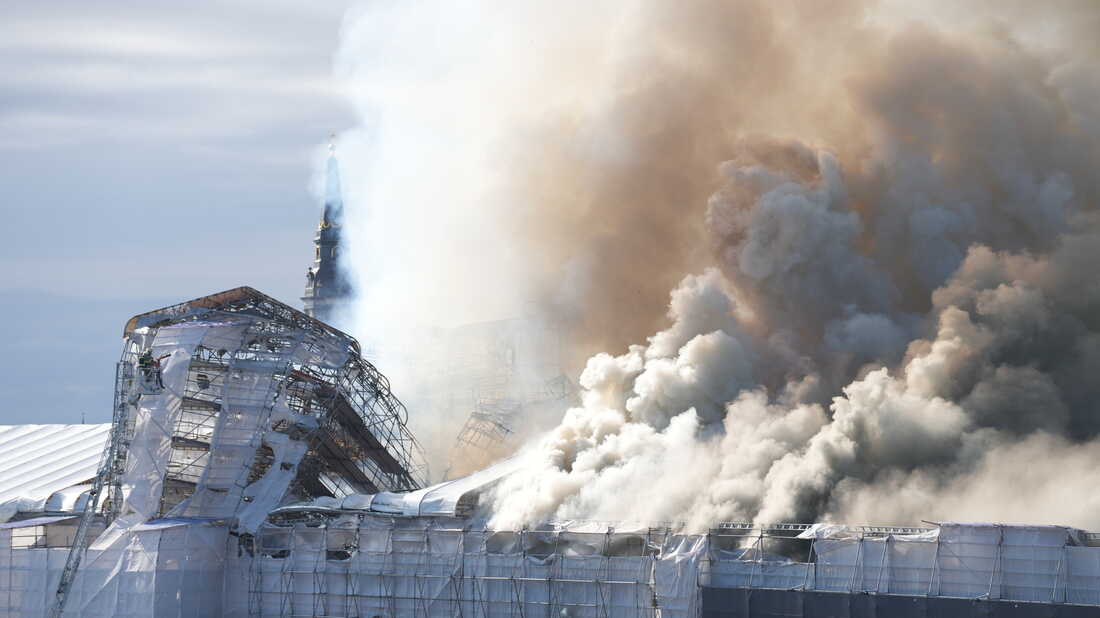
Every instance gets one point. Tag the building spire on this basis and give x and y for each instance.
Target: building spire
(327, 284)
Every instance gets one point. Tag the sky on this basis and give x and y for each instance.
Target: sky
(150, 152)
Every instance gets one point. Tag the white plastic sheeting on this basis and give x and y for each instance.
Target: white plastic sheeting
(382, 566)
(974, 561)
(434, 566)
(43, 467)
(175, 565)
(156, 414)
(32, 555)
(29, 569)
(162, 568)
(441, 500)
(250, 394)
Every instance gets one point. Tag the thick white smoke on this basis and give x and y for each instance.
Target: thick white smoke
(438, 86)
(880, 222)
(1003, 376)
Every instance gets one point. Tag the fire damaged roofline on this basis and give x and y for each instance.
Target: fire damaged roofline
(242, 299)
(459, 497)
(361, 437)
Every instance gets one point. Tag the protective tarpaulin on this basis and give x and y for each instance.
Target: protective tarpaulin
(440, 500)
(164, 568)
(161, 570)
(157, 413)
(361, 564)
(1044, 564)
(440, 567)
(219, 467)
(175, 564)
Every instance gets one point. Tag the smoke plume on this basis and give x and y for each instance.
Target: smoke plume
(876, 222)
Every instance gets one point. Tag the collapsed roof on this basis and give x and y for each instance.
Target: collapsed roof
(256, 403)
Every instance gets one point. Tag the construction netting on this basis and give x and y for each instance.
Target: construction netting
(32, 555)
(162, 568)
(354, 564)
(1050, 564)
(377, 566)
(165, 568)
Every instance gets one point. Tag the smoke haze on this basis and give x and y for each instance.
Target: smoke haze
(875, 222)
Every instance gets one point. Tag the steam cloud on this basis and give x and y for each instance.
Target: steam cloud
(878, 227)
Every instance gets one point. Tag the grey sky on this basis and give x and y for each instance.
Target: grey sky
(150, 152)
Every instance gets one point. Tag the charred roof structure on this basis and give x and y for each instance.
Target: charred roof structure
(313, 385)
(230, 405)
(505, 377)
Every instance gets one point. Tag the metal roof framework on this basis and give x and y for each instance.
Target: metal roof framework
(244, 369)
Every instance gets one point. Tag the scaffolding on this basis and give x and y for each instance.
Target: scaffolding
(278, 357)
(510, 368)
(255, 405)
(107, 479)
(357, 564)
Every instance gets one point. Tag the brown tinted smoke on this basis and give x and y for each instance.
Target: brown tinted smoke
(875, 224)
(898, 212)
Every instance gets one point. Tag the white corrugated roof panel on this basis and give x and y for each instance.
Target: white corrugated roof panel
(38, 460)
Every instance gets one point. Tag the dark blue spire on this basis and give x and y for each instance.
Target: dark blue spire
(327, 285)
